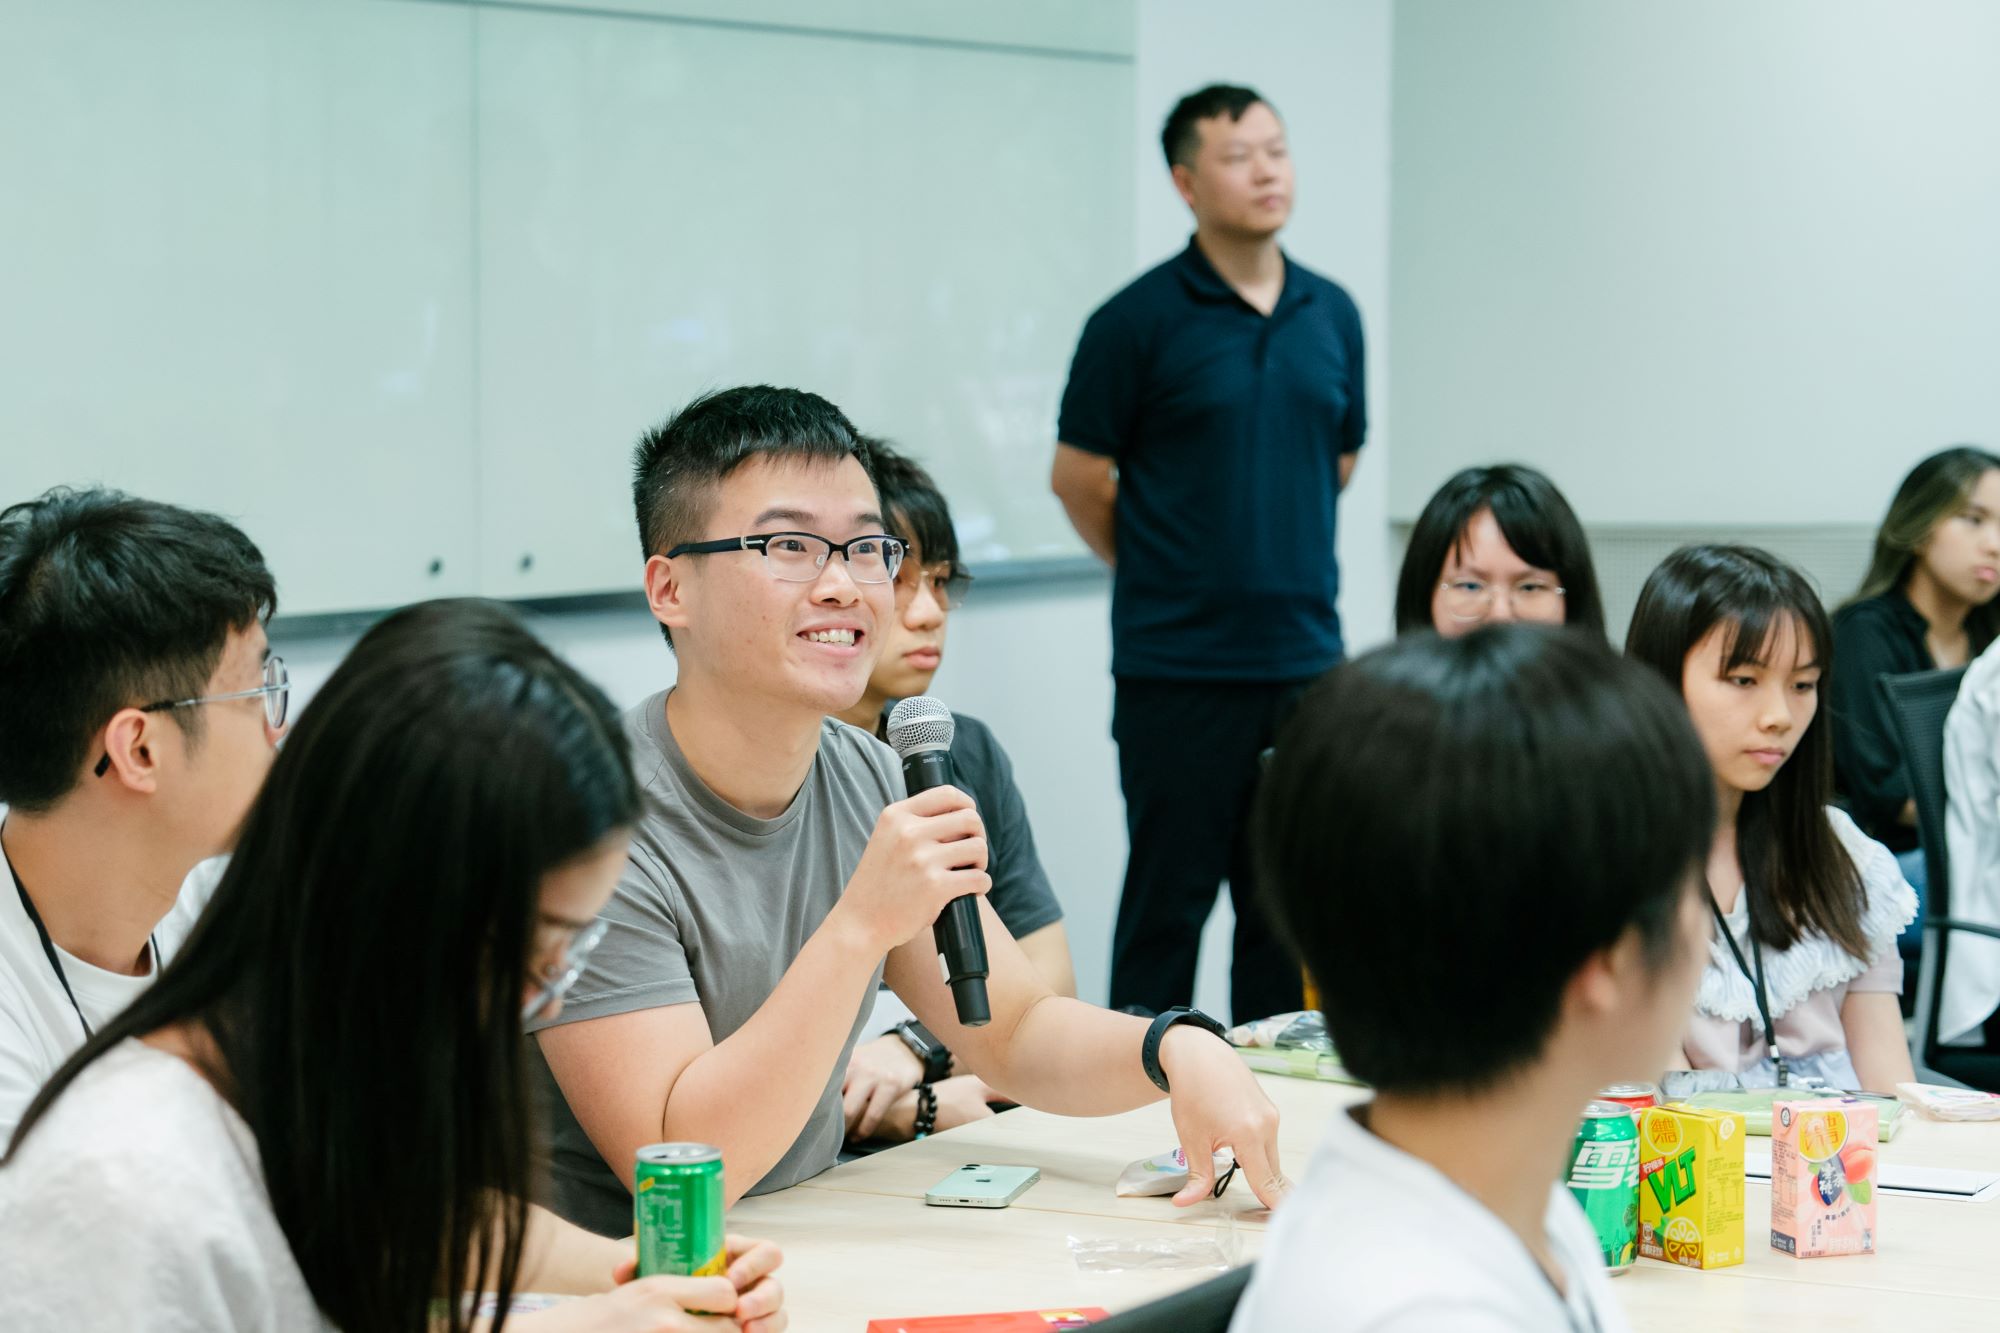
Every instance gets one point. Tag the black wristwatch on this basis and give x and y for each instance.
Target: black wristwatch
(931, 1053)
(1149, 1052)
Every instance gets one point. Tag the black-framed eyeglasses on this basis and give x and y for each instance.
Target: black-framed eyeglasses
(798, 557)
(949, 584)
(556, 979)
(276, 691)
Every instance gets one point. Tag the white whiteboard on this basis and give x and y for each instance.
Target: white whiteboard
(232, 236)
(398, 284)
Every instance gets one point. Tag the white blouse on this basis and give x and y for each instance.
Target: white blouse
(138, 1201)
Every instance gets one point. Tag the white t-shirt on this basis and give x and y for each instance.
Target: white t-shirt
(138, 1201)
(38, 1027)
(1374, 1239)
(1972, 832)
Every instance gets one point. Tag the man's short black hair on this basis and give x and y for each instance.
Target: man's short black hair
(1451, 827)
(1180, 137)
(109, 602)
(677, 466)
(912, 505)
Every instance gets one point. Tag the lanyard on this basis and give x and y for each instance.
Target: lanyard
(1756, 979)
(49, 945)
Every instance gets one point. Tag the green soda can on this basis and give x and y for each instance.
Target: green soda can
(677, 1210)
(1604, 1177)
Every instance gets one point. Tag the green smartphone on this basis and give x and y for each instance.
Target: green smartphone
(975, 1186)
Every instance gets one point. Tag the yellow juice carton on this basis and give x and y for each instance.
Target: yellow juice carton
(1691, 1185)
(1823, 1177)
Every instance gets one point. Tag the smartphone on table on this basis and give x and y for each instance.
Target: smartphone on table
(975, 1186)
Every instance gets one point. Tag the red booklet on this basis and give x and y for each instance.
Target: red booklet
(1015, 1321)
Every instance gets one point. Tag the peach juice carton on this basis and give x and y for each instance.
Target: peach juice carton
(1823, 1177)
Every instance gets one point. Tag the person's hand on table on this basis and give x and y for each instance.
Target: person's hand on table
(964, 1099)
(878, 1074)
(1217, 1104)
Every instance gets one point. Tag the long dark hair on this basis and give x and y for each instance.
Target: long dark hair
(1534, 518)
(1800, 879)
(361, 965)
(1934, 490)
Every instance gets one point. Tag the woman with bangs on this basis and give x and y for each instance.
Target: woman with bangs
(1497, 544)
(1803, 974)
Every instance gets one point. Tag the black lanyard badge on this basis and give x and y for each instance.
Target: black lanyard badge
(1756, 979)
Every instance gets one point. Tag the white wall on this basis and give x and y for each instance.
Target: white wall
(1034, 662)
(1707, 263)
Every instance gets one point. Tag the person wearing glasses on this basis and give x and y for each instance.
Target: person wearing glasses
(889, 1077)
(1496, 544)
(321, 1116)
(779, 873)
(139, 708)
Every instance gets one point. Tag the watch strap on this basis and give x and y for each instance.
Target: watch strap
(932, 1054)
(1149, 1050)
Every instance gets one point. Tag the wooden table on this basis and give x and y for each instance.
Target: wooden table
(861, 1244)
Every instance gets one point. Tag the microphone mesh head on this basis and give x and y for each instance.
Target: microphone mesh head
(920, 723)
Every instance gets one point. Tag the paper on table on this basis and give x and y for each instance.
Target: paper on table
(1924, 1182)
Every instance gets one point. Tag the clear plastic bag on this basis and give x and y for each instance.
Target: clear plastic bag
(1202, 1250)
(1302, 1030)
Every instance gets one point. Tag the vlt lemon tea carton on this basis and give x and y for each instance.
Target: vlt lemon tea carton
(1691, 1185)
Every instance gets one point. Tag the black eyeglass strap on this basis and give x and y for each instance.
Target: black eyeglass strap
(1756, 979)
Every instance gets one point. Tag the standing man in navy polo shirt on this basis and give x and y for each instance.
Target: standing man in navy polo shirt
(1214, 412)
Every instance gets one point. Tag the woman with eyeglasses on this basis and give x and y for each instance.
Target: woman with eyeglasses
(320, 1115)
(1496, 544)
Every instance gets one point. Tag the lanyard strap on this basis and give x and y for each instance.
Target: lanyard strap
(1756, 979)
(49, 945)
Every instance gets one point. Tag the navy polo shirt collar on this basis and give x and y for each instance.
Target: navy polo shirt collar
(1204, 283)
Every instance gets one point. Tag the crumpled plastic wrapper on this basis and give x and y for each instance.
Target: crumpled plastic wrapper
(1304, 1030)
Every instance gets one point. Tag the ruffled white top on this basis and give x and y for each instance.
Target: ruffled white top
(1807, 982)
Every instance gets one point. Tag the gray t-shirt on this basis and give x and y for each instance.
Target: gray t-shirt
(712, 909)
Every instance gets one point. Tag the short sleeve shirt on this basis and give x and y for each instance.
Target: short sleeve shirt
(1021, 896)
(1805, 985)
(139, 1201)
(1227, 426)
(1356, 1249)
(713, 908)
(40, 1027)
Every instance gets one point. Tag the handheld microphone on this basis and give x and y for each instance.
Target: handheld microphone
(920, 730)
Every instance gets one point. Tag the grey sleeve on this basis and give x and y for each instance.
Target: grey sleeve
(641, 963)
(1021, 894)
